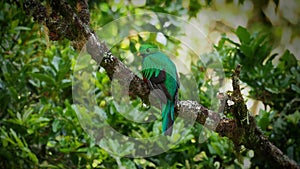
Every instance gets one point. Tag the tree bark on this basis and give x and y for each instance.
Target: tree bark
(66, 22)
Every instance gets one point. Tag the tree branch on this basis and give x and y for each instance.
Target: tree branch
(65, 22)
(251, 136)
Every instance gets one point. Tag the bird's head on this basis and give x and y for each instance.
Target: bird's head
(147, 49)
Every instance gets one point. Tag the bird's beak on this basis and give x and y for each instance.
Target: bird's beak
(140, 55)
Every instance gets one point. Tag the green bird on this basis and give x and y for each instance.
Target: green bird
(161, 75)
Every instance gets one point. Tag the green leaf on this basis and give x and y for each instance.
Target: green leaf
(295, 88)
(32, 156)
(243, 35)
(127, 163)
(263, 121)
(247, 50)
(44, 78)
(19, 28)
(294, 118)
(18, 140)
(56, 125)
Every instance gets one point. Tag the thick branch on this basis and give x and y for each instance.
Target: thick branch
(65, 22)
(212, 120)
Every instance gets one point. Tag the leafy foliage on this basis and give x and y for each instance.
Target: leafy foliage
(273, 80)
(273, 85)
(38, 125)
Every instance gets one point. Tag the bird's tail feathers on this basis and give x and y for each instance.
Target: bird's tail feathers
(168, 117)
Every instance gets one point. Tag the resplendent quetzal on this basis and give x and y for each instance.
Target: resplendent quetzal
(161, 75)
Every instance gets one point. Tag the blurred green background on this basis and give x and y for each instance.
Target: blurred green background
(40, 129)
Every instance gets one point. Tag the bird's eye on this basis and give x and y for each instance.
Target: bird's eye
(147, 50)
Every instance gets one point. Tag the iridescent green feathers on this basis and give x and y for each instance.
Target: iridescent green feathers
(161, 73)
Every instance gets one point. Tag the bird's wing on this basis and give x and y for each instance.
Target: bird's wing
(157, 84)
(161, 72)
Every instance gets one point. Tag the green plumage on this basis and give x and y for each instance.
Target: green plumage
(160, 72)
